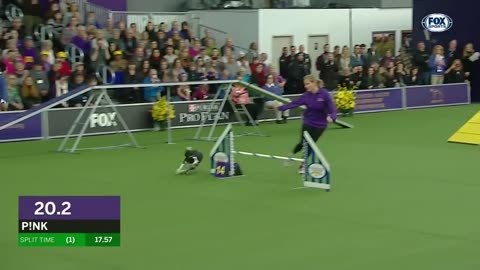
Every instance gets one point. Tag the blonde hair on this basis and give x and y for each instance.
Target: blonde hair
(312, 78)
(438, 49)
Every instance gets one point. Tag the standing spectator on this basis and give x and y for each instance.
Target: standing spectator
(306, 58)
(328, 70)
(33, 15)
(405, 59)
(452, 52)
(358, 58)
(455, 73)
(468, 59)
(373, 56)
(297, 70)
(420, 60)
(437, 65)
(345, 60)
(283, 62)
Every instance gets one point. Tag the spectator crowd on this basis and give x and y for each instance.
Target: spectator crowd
(35, 71)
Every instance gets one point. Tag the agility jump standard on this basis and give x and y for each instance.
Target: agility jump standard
(223, 164)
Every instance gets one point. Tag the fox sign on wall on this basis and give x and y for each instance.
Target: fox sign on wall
(437, 22)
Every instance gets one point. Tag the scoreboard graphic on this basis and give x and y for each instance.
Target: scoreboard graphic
(69, 221)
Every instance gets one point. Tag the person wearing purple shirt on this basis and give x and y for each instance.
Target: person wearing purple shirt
(320, 110)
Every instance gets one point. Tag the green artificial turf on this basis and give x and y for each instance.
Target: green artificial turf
(402, 198)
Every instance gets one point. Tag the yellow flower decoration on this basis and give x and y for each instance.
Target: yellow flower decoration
(161, 109)
(345, 99)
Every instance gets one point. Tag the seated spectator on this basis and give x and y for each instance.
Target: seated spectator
(202, 92)
(387, 59)
(242, 73)
(17, 29)
(77, 82)
(145, 69)
(92, 20)
(9, 62)
(118, 64)
(14, 99)
(152, 93)
(231, 65)
(116, 38)
(242, 100)
(52, 10)
(177, 68)
(69, 32)
(413, 78)
(195, 49)
(41, 80)
(193, 74)
(47, 48)
(225, 75)
(56, 22)
(29, 52)
(65, 69)
(202, 55)
(183, 93)
(82, 41)
(400, 75)
(270, 86)
(357, 75)
(169, 56)
(3, 92)
(258, 76)
(61, 87)
(79, 67)
(30, 93)
(370, 81)
(20, 72)
(130, 42)
(346, 78)
(135, 94)
(99, 55)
